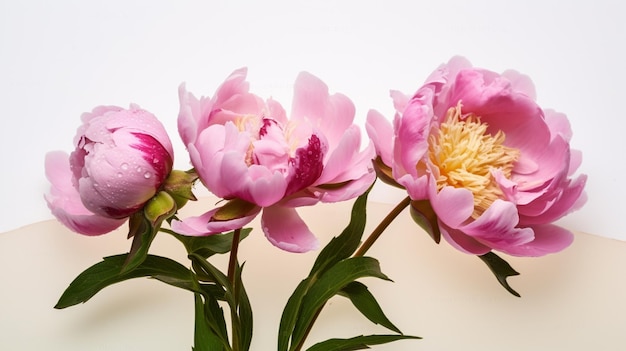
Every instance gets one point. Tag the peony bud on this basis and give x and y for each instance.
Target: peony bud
(122, 158)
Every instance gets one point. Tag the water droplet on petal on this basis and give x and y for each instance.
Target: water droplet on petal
(124, 166)
(147, 175)
(119, 174)
(138, 169)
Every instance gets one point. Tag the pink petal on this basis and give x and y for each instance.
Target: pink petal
(448, 70)
(400, 100)
(497, 227)
(332, 114)
(381, 133)
(546, 209)
(349, 191)
(508, 187)
(521, 83)
(346, 162)
(452, 205)
(416, 187)
(234, 85)
(576, 159)
(548, 239)
(255, 184)
(189, 115)
(277, 112)
(462, 242)
(236, 106)
(558, 124)
(203, 225)
(412, 132)
(65, 203)
(554, 164)
(284, 228)
(206, 156)
(492, 98)
(155, 156)
(267, 189)
(134, 121)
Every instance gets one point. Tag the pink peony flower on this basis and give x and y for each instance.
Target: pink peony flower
(121, 158)
(246, 150)
(496, 168)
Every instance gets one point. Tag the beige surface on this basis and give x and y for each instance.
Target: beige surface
(570, 301)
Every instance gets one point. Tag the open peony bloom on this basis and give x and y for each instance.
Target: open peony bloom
(247, 151)
(121, 158)
(495, 167)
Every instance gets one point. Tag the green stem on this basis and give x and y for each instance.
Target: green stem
(232, 266)
(382, 226)
(308, 329)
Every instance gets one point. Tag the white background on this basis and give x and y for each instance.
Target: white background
(61, 58)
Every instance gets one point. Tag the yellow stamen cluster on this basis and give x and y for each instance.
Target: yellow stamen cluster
(465, 154)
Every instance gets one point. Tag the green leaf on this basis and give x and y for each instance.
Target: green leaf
(328, 285)
(290, 314)
(347, 242)
(143, 234)
(108, 272)
(215, 318)
(207, 246)
(365, 302)
(213, 290)
(244, 310)
(424, 215)
(501, 269)
(204, 338)
(215, 274)
(357, 343)
(236, 297)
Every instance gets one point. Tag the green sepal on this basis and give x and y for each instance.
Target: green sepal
(160, 207)
(333, 186)
(366, 303)
(107, 272)
(234, 209)
(501, 269)
(385, 173)
(357, 343)
(179, 185)
(424, 215)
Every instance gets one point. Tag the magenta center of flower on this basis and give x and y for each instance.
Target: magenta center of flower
(284, 149)
(465, 155)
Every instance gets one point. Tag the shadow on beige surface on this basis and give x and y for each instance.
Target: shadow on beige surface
(573, 300)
